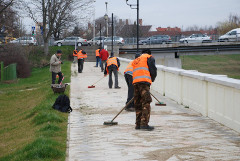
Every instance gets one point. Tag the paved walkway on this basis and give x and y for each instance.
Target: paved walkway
(180, 133)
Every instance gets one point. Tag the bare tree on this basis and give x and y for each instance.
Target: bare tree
(9, 25)
(4, 4)
(225, 26)
(72, 16)
(53, 14)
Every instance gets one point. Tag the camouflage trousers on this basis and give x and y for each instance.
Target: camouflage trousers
(142, 100)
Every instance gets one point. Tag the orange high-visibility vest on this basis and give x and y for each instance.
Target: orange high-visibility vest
(74, 52)
(80, 55)
(111, 61)
(140, 69)
(97, 52)
(129, 69)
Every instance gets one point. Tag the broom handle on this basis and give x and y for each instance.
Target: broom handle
(123, 109)
(155, 97)
(97, 81)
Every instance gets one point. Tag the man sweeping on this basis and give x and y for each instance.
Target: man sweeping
(129, 80)
(112, 66)
(144, 73)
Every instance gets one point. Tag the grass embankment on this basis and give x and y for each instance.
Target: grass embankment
(213, 64)
(29, 128)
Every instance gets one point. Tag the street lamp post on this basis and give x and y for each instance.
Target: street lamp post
(106, 18)
(94, 22)
(100, 36)
(112, 32)
(136, 6)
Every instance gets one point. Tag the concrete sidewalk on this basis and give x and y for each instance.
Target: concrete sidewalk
(180, 133)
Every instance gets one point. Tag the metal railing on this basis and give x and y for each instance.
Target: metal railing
(9, 72)
(175, 39)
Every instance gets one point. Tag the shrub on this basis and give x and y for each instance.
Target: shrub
(12, 53)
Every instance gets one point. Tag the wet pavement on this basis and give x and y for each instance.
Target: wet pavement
(180, 133)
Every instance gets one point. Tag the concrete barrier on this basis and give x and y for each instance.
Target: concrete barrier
(214, 96)
(92, 55)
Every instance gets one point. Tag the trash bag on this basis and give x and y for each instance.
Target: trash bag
(62, 104)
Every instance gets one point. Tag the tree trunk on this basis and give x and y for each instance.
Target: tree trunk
(46, 48)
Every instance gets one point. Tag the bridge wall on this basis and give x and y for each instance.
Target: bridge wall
(214, 96)
(166, 59)
(92, 55)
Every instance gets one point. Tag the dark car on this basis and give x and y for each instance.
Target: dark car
(156, 39)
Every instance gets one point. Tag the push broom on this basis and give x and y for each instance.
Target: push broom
(159, 103)
(115, 123)
(92, 86)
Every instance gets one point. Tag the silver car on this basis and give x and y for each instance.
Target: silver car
(25, 41)
(116, 40)
(71, 41)
(196, 38)
(96, 40)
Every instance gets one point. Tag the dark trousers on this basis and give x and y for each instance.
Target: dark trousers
(142, 100)
(129, 80)
(102, 64)
(98, 60)
(80, 65)
(54, 77)
(115, 72)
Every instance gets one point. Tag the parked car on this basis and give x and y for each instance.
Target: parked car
(72, 41)
(233, 35)
(117, 40)
(95, 40)
(156, 39)
(25, 41)
(196, 38)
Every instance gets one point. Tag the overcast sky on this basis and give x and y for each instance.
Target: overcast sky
(164, 13)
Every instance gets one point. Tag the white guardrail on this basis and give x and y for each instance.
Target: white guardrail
(214, 96)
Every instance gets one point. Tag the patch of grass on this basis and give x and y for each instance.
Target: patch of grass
(40, 149)
(213, 64)
(46, 117)
(30, 128)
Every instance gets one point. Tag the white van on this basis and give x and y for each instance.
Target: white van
(233, 35)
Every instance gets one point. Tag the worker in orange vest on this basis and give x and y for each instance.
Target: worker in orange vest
(98, 59)
(75, 56)
(112, 66)
(129, 80)
(144, 73)
(81, 55)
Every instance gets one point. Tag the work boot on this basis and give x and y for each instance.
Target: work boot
(137, 127)
(146, 128)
